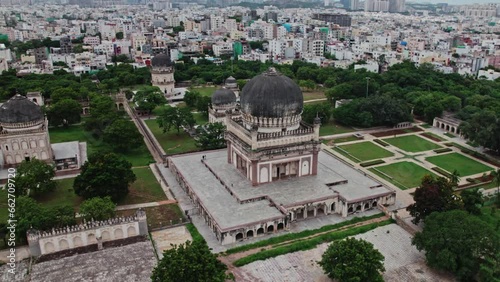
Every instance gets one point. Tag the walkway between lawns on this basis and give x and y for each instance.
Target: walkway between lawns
(145, 205)
(230, 259)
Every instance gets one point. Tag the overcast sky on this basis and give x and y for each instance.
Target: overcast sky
(455, 2)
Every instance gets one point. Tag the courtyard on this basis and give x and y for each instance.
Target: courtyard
(464, 165)
(403, 174)
(363, 151)
(412, 143)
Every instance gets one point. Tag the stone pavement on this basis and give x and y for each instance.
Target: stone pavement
(144, 205)
(22, 252)
(163, 239)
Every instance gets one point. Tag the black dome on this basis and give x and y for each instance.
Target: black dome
(230, 80)
(271, 95)
(20, 109)
(161, 60)
(223, 96)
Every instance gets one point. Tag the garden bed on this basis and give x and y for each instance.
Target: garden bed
(396, 132)
(371, 163)
(433, 137)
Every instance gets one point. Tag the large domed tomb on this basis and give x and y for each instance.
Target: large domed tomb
(271, 102)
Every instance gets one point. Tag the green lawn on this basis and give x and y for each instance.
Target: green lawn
(172, 142)
(140, 156)
(365, 151)
(464, 165)
(63, 195)
(412, 143)
(3, 206)
(145, 189)
(204, 91)
(200, 118)
(332, 128)
(313, 95)
(404, 175)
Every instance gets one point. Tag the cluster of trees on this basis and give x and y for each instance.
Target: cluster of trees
(210, 136)
(195, 100)
(454, 237)
(175, 118)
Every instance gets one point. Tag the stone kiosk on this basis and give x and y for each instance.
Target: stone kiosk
(273, 171)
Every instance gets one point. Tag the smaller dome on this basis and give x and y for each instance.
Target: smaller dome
(161, 60)
(230, 80)
(20, 109)
(223, 96)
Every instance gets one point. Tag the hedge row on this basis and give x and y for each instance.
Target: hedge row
(442, 150)
(310, 243)
(381, 142)
(303, 234)
(370, 163)
(442, 171)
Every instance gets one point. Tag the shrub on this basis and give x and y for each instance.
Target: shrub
(442, 150)
(441, 171)
(381, 142)
(370, 163)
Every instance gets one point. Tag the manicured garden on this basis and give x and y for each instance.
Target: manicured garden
(139, 156)
(332, 128)
(464, 165)
(172, 142)
(412, 143)
(404, 175)
(364, 151)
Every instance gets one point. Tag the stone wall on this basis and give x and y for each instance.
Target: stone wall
(87, 233)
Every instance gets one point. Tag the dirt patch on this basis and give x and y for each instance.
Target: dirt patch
(427, 135)
(159, 216)
(396, 132)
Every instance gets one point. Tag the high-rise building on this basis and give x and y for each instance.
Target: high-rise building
(340, 19)
(66, 45)
(396, 6)
(377, 6)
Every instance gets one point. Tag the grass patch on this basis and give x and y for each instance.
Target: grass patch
(464, 165)
(145, 189)
(140, 156)
(476, 154)
(62, 195)
(346, 154)
(370, 163)
(332, 128)
(404, 175)
(204, 91)
(309, 244)
(200, 118)
(442, 150)
(412, 143)
(160, 216)
(170, 141)
(299, 235)
(4, 214)
(426, 125)
(365, 151)
(194, 232)
(313, 95)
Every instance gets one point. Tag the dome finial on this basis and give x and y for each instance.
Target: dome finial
(271, 71)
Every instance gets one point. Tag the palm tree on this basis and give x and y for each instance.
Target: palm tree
(455, 178)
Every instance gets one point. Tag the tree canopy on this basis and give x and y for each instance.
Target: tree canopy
(353, 260)
(149, 97)
(189, 262)
(98, 208)
(174, 117)
(122, 135)
(64, 112)
(211, 136)
(459, 242)
(34, 177)
(433, 195)
(104, 174)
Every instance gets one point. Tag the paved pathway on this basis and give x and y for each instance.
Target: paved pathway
(22, 252)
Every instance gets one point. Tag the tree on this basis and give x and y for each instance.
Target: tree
(102, 113)
(34, 177)
(104, 174)
(496, 178)
(189, 262)
(211, 136)
(203, 103)
(472, 200)
(119, 35)
(173, 117)
(455, 178)
(458, 242)
(353, 260)
(149, 98)
(191, 97)
(483, 128)
(64, 112)
(433, 195)
(122, 135)
(98, 208)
